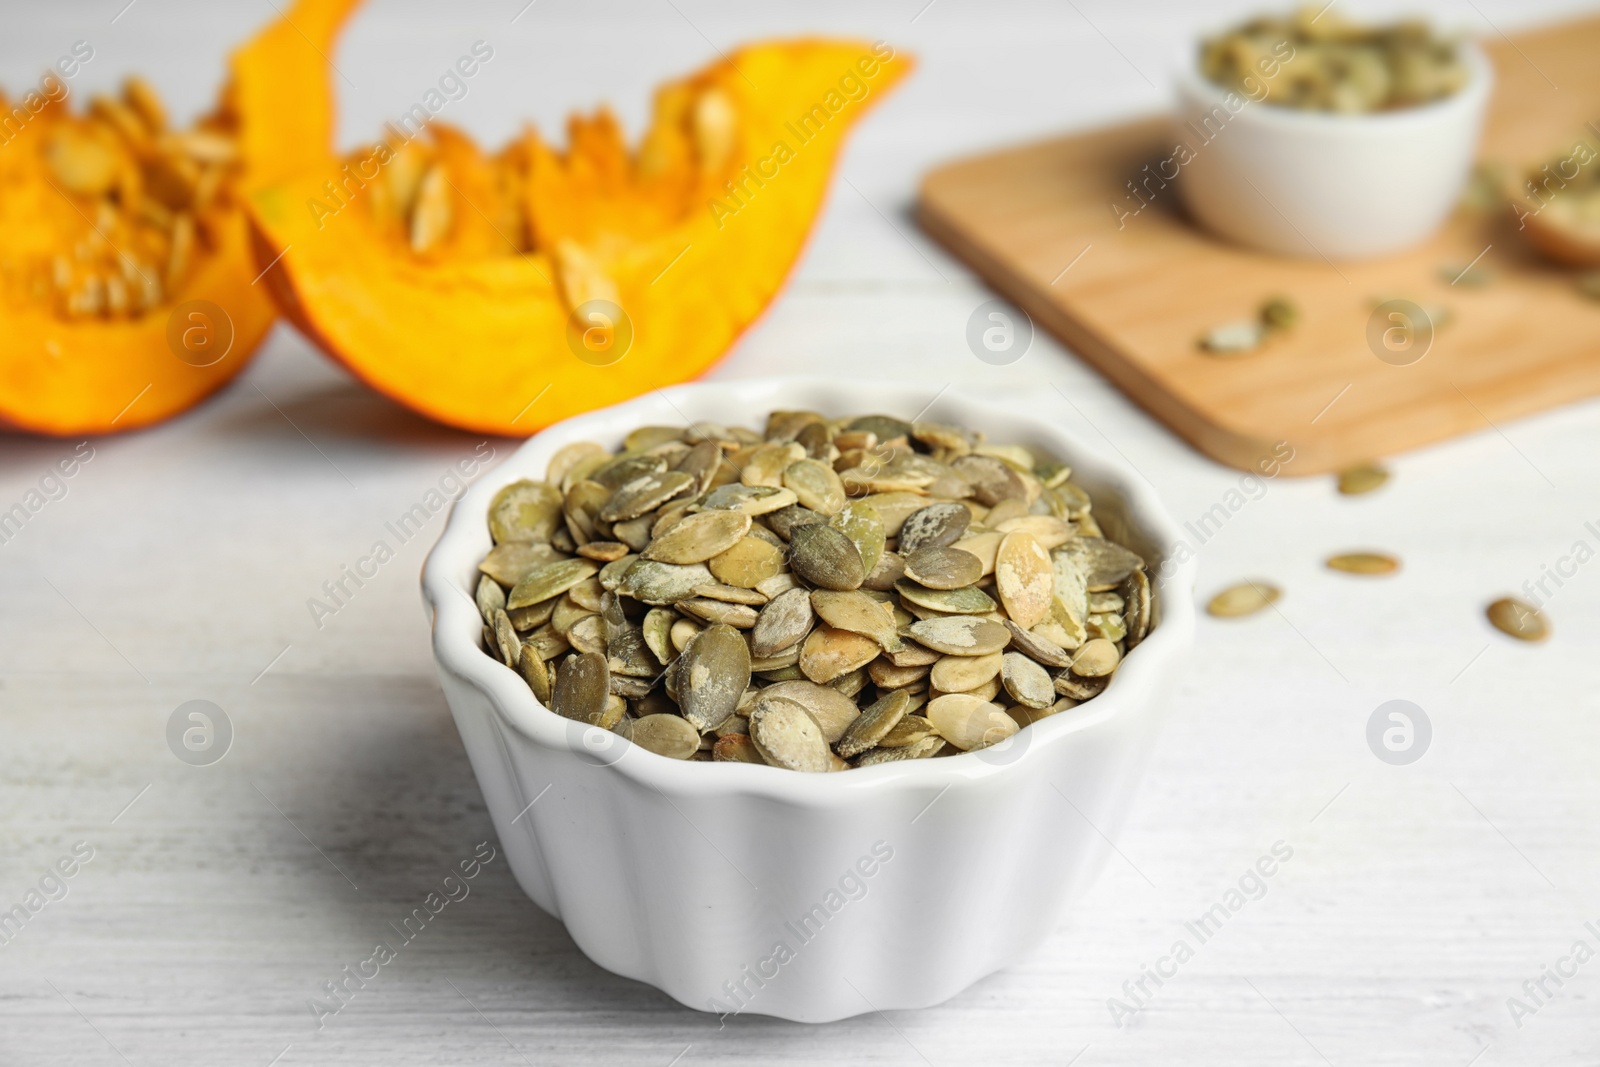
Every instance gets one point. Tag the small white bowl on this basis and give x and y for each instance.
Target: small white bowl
(1315, 184)
(894, 886)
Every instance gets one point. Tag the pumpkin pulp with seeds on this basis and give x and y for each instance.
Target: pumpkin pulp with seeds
(830, 593)
(113, 217)
(501, 292)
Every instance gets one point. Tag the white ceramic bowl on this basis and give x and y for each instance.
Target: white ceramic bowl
(1315, 184)
(894, 886)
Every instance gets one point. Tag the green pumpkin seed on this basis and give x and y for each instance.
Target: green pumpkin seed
(783, 623)
(943, 568)
(651, 582)
(1518, 619)
(747, 563)
(1028, 683)
(858, 613)
(960, 635)
(859, 522)
(750, 499)
(490, 598)
(934, 526)
(788, 737)
(671, 736)
(645, 493)
(696, 538)
(874, 722)
(711, 676)
(968, 601)
(551, 580)
(825, 558)
(582, 688)
(525, 511)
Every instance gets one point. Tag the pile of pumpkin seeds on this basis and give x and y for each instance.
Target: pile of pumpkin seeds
(1318, 61)
(831, 593)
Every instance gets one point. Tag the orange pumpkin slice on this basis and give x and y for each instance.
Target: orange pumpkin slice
(500, 293)
(125, 265)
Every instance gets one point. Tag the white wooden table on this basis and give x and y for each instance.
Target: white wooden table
(179, 564)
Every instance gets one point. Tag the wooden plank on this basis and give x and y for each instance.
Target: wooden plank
(1148, 283)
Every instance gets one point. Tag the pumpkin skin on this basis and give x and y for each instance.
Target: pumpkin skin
(71, 376)
(691, 236)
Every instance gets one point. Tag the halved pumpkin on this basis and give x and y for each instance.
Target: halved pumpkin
(125, 266)
(502, 293)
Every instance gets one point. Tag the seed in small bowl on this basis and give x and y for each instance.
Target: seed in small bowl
(828, 594)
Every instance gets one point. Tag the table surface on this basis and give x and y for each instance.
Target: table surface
(179, 564)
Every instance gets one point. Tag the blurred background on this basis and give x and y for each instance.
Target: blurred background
(179, 563)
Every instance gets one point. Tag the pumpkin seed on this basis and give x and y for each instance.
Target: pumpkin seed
(1362, 478)
(786, 736)
(968, 601)
(740, 616)
(923, 749)
(535, 673)
(825, 558)
(665, 735)
(582, 687)
(1369, 563)
(1037, 648)
(960, 635)
(747, 563)
(1077, 688)
(525, 511)
(506, 641)
(785, 621)
(1024, 578)
(943, 568)
(712, 674)
(1069, 598)
(961, 674)
(736, 748)
(829, 708)
(550, 580)
(935, 526)
(1246, 598)
(859, 522)
(1234, 338)
(908, 731)
(645, 493)
(603, 551)
(1028, 683)
(816, 485)
(510, 562)
(858, 613)
(651, 582)
(968, 722)
(1096, 659)
(588, 634)
(1048, 530)
(1518, 619)
(490, 598)
(732, 594)
(1105, 564)
(985, 546)
(696, 538)
(657, 631)
(874, 722)
(750, 499)
(1136, 607)
(828, 653)
(885, 675)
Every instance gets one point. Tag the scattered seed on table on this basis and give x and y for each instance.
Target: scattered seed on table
(1519, 619)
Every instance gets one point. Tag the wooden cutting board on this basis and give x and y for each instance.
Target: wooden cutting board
(1035, 222)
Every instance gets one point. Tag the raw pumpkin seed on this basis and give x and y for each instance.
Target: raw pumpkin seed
(943, 568)
(1362, 478)
(1246, 598)
(715, 594)
(1518, 619)
(786, 736)
(1370, 563)
(825, 558)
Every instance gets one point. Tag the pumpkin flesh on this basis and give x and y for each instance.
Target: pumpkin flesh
(113, 224)
(464, 285)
